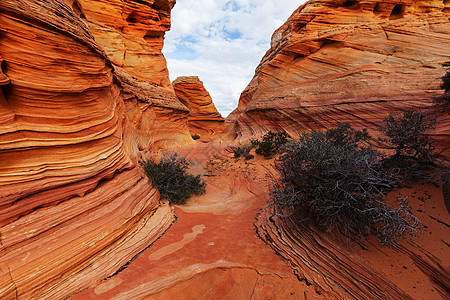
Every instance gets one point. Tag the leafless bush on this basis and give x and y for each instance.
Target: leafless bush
(339, 185)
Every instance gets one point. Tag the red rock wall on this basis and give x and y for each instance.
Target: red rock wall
(347, 61)
(132, 35)
(352, 61)
(203, 117)
(74, 206)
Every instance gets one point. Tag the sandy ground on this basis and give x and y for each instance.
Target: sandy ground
(212, 251)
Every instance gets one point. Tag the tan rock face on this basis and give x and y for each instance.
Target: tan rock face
(203, 115)
(346, 61)
(74, 206)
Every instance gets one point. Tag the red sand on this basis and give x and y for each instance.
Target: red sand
(211, 252)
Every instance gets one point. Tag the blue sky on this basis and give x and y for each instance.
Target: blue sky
(222, 42)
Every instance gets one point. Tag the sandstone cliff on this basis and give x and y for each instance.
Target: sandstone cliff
(347, 61)
(74, 206)
(354, 61)
(203, 117)
(132, 35)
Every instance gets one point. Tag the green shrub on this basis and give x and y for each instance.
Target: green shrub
(172, 180)
(336, 183)
(270, 143)
(406, 134)
(444, 100)
(446, 82)
(446, 78)
(243, 151)
(344, 135)
(195, 136)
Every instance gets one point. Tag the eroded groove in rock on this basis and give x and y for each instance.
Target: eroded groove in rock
(74, 206)
(346, 61)
(322, 262)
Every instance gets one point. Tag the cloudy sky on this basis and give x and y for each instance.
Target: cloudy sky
(222, 42)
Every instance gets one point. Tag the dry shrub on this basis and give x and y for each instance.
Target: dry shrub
(339, 185)
(406, 134)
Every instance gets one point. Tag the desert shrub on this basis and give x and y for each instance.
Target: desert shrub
(344, 135)
(446, 82)
(270, 143)
(329, 178)
(172, 180)
(243, 151)
(195, 136)
(406, 134)
(446, 78)
(444, 100)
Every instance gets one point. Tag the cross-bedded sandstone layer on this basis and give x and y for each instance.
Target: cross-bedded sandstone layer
(204, 119)
(74, 206)
(354, 61)
(347, 61)
(84, 93)
(132, 35)
(410, 270)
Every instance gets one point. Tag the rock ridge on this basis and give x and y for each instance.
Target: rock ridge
(74, 205)
(204, 119)
(346, 61)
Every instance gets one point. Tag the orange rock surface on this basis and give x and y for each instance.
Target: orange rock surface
(84, 94)
(212, 252)
(347, 61)
(132, 35)
(203, 117)
(74, 206)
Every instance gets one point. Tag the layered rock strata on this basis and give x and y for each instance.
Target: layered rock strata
(408, 270)
(74, 206)
(203, 116)
(132, 35)
(353, 61)
(346, 61)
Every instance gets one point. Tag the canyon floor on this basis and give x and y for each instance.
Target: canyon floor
(212, 250)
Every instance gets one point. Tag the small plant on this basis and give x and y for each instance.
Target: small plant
(444, 100)
(195, 136)
(331, 179)
(172, 180)
(406, 134)
(446, 78)
(344, 135)
(243, 151)
(270, 143)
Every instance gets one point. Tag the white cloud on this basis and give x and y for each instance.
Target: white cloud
(222, 42)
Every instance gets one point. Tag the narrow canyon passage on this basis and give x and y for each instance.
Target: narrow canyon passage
(211, 251)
